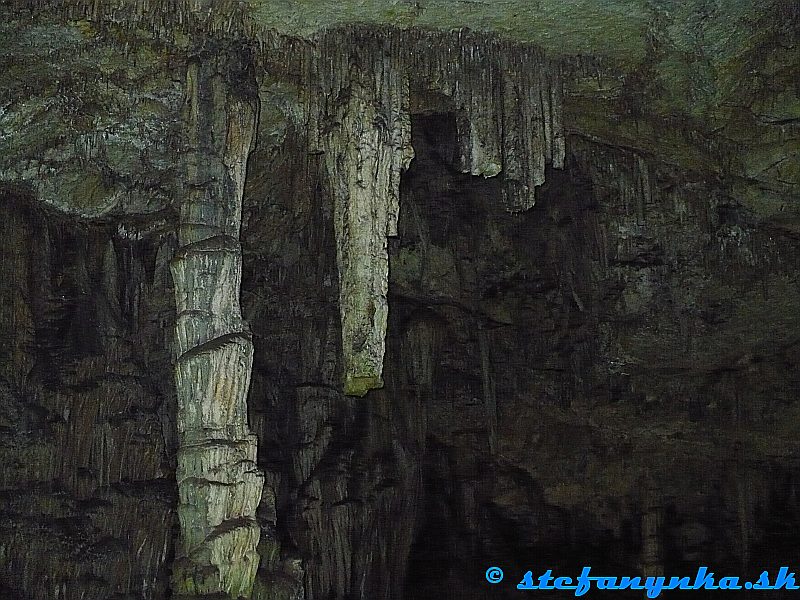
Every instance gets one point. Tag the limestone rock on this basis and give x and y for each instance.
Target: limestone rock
(218, 482)
(367, 144)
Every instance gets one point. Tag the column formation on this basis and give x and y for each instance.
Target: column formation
(219, 484)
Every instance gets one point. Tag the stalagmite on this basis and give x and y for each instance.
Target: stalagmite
(367, 144)
(218, 482)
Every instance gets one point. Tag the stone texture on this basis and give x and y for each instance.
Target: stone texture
(367, 144)
(86, 433)
(605, 378)
(219, 485)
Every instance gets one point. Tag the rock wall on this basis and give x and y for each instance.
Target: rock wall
(605, 376)
(87, 416)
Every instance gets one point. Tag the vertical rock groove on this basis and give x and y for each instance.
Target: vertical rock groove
(218, 483)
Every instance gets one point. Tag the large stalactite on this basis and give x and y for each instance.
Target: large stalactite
(367, 144)
(508, 106)
(218, 482)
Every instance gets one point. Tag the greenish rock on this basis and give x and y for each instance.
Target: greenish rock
(359, 386)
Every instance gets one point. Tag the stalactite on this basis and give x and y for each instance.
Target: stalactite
(218, 482)
(507, 102)
(508, 105)
(367, 144)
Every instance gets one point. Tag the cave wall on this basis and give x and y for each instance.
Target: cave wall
(88, 408)
(556, 381)
(606, 377)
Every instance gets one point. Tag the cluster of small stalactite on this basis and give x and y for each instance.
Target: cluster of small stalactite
(78, 511)
(49, 557)
(507, 97)
(84, 482)
(640, 185)
(162, 18)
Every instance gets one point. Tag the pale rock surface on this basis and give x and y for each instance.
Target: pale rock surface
(219, 484)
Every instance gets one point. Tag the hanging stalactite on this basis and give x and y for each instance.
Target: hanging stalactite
(507, 102)
(367, 142)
